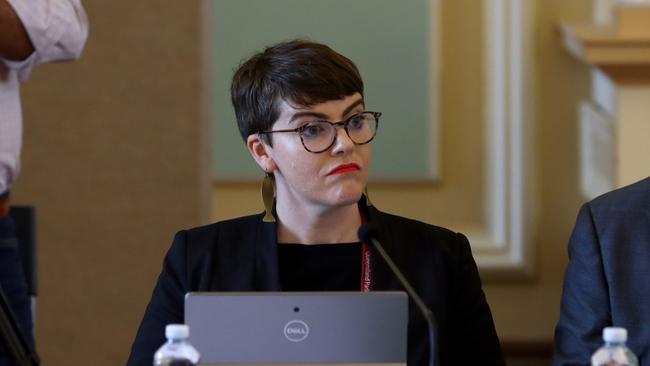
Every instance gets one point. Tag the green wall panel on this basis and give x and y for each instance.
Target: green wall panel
(388, 40)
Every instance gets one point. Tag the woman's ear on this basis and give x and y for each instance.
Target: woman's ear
(261, 152)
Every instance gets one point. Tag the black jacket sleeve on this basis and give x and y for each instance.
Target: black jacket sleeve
(475, 341)
(166, 305)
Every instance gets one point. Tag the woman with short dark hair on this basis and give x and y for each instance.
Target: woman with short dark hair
(301, 111)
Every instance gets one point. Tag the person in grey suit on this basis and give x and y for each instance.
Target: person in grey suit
(607, 281)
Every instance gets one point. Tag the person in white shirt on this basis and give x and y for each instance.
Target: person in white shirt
(32, 32)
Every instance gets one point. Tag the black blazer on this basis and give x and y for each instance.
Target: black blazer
(607, 281)
(241, 255)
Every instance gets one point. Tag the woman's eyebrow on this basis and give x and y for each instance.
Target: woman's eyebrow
(353, 105)
(307, 114)
(322, 116)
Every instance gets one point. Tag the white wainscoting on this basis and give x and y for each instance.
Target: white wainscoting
(504, 248)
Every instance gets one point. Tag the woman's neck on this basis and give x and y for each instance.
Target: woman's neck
(313, 226)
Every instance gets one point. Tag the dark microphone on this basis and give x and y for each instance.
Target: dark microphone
(367, 234)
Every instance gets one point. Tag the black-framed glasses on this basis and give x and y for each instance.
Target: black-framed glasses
(319, 135)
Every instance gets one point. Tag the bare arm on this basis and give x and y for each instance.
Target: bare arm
(14, 41)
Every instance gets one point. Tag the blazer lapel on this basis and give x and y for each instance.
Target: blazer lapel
(267, 273)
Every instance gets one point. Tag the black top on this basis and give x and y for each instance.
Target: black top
(242, 255)
(321, 267)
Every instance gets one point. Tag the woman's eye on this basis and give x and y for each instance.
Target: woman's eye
(312, 130)
(357, 122)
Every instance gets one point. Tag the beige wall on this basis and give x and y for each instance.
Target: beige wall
(113, 160)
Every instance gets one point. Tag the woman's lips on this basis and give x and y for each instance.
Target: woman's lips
(344, 168)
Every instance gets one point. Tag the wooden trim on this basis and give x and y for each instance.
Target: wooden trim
(628, 74)
(601, 46)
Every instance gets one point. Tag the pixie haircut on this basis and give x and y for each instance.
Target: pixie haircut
(299, 72)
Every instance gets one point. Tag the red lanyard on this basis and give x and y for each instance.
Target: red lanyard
(366, 267)
(366, 270)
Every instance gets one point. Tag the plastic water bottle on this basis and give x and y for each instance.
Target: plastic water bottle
(177, 351)
(614, 352)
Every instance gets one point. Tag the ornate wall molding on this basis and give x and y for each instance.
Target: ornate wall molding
(504, 248)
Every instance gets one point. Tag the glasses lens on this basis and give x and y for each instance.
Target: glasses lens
(362, 127)
(318, 136)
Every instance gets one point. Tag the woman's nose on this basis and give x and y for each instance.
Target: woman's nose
(343, 143)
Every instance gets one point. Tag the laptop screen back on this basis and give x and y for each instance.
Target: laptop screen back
(305, 328)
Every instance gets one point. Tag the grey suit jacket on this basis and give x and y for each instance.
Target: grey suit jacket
(607, 281)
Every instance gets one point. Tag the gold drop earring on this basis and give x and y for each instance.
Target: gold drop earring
(268, 193)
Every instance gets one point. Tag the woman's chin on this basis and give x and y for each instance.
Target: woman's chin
(348, 197)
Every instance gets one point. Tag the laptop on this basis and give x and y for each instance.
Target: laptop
(273, 328)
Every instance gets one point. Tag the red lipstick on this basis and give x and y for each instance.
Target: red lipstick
(344, 168)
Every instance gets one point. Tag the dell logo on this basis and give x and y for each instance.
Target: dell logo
(296, 330)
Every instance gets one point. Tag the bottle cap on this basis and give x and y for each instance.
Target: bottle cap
(177, 331)
(615, 334)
